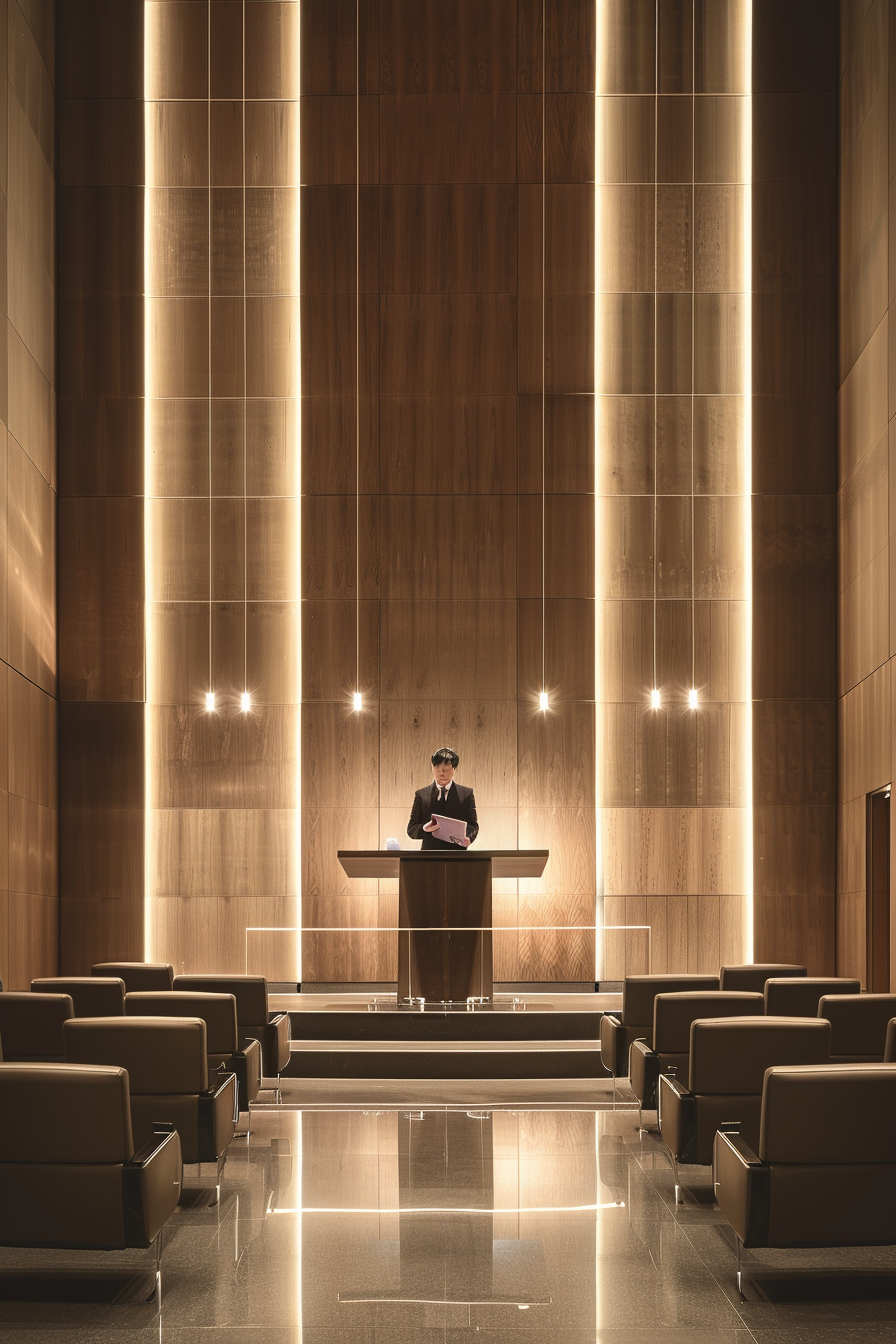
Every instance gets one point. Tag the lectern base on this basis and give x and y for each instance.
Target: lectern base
(445, 947)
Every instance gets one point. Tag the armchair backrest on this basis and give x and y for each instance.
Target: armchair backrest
(64, 1113)
(858, 1022)
(163, 1055)
(91, 996)
(674, 1013)
(729, 1057)
(138, 974)
(31, 1025)
(839, 1114)
(250, 992)
(753, 976)
(217, 1011)
(639, 992)
(799, 997)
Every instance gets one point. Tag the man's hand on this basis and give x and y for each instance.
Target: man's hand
(431, 826)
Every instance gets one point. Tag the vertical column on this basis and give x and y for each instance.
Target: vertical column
(866, 504)
(673, 476)
(794, 479)
(340, 482)
(221, 467)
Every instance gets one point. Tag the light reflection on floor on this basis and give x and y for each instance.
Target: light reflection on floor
(517, 1220)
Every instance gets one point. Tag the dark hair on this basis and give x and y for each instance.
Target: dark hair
(446, 754)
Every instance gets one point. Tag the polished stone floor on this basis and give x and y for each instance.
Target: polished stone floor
(510, 1213)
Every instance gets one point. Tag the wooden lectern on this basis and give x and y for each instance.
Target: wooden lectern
(444, 914)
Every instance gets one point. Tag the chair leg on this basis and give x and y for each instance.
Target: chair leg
(219, 1172)
(739, 1265)
(156, 1294)
(678, 1198)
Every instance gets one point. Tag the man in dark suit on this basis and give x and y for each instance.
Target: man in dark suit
(445, 798)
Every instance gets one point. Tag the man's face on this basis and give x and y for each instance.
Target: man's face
(443, 773)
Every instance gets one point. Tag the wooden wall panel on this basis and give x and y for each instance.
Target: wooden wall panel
(463, 420)
(28, 607)
(794, 520)
(866, 409)
(671, 479)
(223, 446)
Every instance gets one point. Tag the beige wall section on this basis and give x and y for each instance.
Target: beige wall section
(221, 451)
(867, 497)
(28, 686)
(672, 565)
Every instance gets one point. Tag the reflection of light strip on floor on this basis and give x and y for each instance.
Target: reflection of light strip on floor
(546, 1208)
(446, 1301)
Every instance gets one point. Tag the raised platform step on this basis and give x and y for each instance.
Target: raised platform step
(357, 1035)
(437, 1027)
(545, 1058)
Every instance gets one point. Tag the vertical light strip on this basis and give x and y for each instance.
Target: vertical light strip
(655, 698)
(747, 133)
(543, 693)
(149, 782)
(297, 521)
(245, 699)
(599, 134)
(692, 693)
(357, 697)
(210, 692)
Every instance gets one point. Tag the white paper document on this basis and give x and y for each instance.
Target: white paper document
(451, 830)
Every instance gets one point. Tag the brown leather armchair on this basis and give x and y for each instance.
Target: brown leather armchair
(753, 976)
(824, 1173)
(858, 1026)
(91, 996)
(253, 1015)
(71, 1175)
(168, 1079)
(672, 1018)
(800, 997)
(137, 974)
(225, 1045)
(31, 1027)
(618, 1031)
(727, 1062)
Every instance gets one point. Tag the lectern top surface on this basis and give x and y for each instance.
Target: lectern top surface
(384, 862)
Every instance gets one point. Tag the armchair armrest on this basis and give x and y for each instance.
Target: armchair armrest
(615, 1042)
(677, 1116)
(273, 1036)
(246, 1064)
(150, 1187)
(643, 1072)
(218, 1116)
(741, 1184)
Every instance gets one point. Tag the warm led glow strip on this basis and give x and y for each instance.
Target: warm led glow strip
(297, 509)
(149, 782)
(599, 131)
(747, 148)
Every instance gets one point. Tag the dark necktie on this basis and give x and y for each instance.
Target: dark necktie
(443, 797)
